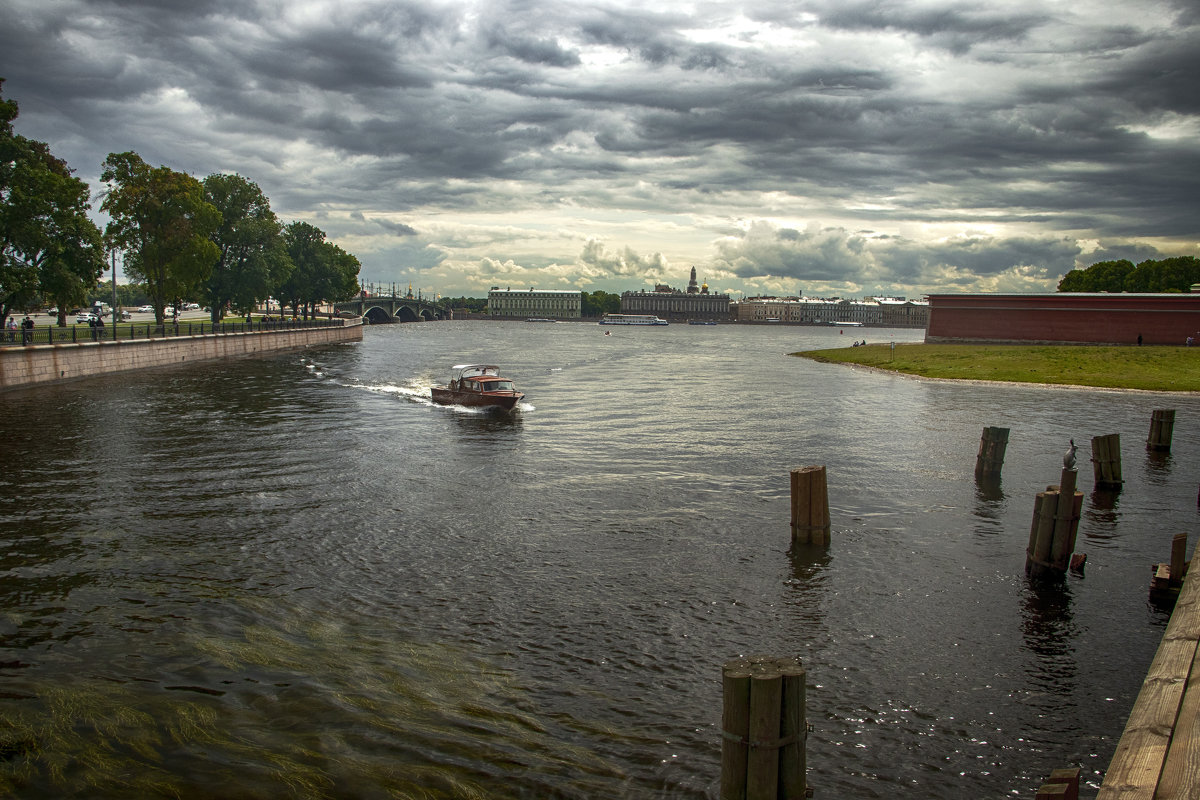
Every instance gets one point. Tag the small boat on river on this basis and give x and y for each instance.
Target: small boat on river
(477, 386)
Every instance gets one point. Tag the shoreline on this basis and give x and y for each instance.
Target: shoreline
(987, 382)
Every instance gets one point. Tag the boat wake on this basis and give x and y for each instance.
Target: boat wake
(415, 393)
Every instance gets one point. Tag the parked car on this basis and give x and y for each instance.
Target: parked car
(85, 318)
(192, 307)
(145, 309)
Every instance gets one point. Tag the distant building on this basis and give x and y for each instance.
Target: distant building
(535, 303)
(671, 304)
(891, 312)
(900, 313)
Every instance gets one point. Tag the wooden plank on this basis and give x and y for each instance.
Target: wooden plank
(1141, 754)
(1181, 774)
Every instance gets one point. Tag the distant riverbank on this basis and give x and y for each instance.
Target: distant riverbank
(1158, 369)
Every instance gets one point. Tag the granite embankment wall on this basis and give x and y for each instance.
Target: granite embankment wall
(42, 364)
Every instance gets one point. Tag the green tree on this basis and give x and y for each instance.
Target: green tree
(253, 257)
(322, 270)
(45, 232)
(339, 279)
(129, 295)
(595, 304)
(163, 225)
(70, 270)
(1166, 275)
(1103, 276)
(474, 305)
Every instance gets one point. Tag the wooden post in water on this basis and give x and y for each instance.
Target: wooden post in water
(1167, 579)
(1162, 426)
(992, 445)
(810, 506)
(1106, 461)
(764, 729)
(735, 728)
(1056, 513)
(1063, 784)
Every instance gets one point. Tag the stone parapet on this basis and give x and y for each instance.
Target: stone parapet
(41, 364)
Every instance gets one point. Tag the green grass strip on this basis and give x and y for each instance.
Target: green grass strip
(1159, 369)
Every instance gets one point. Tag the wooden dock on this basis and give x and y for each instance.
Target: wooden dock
(1158, 757)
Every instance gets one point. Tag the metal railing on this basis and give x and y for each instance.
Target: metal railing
(126, 331)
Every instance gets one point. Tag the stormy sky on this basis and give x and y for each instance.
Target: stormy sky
(831, 147)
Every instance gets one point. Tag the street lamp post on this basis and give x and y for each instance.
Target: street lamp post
(114, 302)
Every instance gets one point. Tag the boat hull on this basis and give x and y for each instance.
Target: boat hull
(501, 401)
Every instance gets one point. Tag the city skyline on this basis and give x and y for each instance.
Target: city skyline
(852, 149)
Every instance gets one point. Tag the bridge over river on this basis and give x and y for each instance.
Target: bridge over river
(378, 309)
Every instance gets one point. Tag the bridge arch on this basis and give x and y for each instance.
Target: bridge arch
(377, 316)
(380, 310)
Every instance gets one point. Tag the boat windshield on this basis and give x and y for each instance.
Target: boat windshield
(499, 386)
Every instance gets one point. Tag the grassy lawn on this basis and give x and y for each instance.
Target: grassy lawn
(1162, 369)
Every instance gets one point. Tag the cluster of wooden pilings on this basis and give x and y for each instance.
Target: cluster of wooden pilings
(1055, 525)
(764, 729)
(1052, 538)
(1056, 511)
(764, 723)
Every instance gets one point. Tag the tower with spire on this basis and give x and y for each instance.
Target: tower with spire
(692, 287)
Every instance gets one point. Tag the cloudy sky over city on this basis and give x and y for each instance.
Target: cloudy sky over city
(830, 147)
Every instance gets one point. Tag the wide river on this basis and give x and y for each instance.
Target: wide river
(296, 577)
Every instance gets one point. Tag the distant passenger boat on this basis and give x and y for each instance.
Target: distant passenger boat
(847, 324)
(539, 319)
(632, 319)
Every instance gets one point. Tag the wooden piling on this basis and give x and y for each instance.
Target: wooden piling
(990, 460)
(762, 763)
(1052, 534)
(793, 730)
(1167, 579)
(1063, 784)
(1106, 461)
(735, 727)
(1162, 426)
(810, 506)
(764, 729)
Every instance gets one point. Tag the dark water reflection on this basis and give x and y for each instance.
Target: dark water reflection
(297, 577)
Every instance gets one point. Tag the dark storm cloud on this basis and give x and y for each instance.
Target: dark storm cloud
(849, 120)
(840, 257)
(955, 26)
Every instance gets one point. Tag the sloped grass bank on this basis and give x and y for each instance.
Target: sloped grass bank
(1160, 369)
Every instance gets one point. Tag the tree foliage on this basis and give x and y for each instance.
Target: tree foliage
(594, 304)
(1165, 275)
(48, 244)
(162, 223)
(323, 272)
(253, 258)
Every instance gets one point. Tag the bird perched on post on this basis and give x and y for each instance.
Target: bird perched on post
(1069, 456)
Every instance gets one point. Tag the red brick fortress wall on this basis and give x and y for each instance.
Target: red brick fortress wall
(1064, 318)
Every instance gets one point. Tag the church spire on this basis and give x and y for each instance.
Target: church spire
(692, 287)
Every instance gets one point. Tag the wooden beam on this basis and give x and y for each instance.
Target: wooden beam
(1140, 759)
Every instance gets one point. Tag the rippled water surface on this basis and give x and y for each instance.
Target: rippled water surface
(296, 577)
